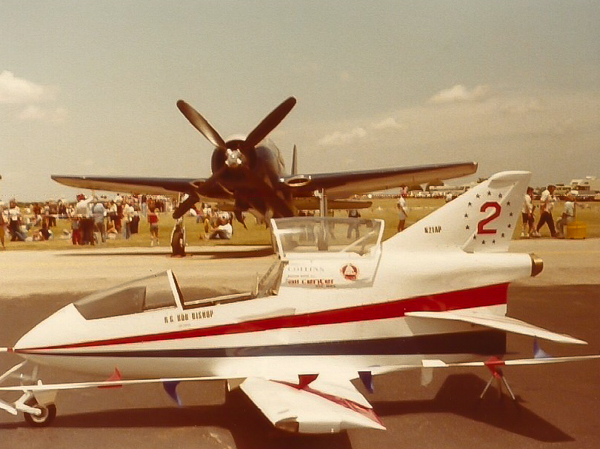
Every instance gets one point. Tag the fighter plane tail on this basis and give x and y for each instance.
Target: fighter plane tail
(481, 220)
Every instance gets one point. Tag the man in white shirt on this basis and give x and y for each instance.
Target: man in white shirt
(83, 212)
(402, 211)
(527, 214)
(14, 222)
(547, 201)
(568, 215)
(128, 212)
(223, 231)
(99, 213)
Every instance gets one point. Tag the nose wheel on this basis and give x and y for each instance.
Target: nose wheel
(46, 416)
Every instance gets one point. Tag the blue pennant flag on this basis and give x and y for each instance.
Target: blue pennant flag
(538, 352)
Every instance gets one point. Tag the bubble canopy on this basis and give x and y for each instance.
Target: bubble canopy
(149, 293)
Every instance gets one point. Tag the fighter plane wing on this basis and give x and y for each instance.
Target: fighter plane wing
(340, 184)
(345, 184)
(139, 185)
(497, 322)
(321, 406)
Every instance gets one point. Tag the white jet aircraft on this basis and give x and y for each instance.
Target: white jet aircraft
(337, 305)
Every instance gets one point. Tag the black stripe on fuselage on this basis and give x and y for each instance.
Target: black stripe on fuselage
(488, 342)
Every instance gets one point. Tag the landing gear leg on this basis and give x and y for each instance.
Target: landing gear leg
(494, 366)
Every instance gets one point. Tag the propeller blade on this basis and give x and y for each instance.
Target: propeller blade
(192, 199)
(201, 124)
(240, 217)
(269, 123)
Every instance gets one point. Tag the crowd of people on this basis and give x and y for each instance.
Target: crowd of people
(91, 219)
(95, 220)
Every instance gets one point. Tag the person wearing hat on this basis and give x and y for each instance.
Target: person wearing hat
(547, 201)
(83, 213)
(568, 215)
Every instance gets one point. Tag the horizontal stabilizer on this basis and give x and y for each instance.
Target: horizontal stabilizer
(503, 323)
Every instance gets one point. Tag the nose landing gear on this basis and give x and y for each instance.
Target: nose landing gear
(37, 407)
(46, 415)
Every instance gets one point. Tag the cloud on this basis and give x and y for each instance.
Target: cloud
(343, 138)
(460, 93)
(15, 90)
(19, 91)
(34, 112)
(388, 123)
(360, 132)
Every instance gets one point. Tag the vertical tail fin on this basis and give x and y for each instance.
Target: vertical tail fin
(481, 220)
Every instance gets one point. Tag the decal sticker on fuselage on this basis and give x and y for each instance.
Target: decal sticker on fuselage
(312, 282)
(350, 272)
(188, 316)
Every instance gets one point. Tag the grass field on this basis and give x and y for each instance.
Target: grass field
(588, 213)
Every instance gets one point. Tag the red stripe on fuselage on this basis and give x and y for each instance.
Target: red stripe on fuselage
(462, 299)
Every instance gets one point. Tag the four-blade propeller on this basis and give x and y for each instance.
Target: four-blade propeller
(237, 153)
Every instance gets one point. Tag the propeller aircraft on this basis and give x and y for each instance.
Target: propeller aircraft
(332, 309)
(248, 174)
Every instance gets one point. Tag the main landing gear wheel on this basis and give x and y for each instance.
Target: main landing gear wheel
(43, 420)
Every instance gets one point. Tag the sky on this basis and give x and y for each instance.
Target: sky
(90, 87)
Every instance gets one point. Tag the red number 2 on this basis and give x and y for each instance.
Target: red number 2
(481, 227)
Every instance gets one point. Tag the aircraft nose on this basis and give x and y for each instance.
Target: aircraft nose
(58, 329)
(28, 340)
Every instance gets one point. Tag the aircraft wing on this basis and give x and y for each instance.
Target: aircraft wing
(102, 384)
(436, 363)
(345, 184)
(340, 184)
(503, 323)
(138, 185)
(321, 406)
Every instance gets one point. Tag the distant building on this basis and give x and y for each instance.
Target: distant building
(444, 190)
